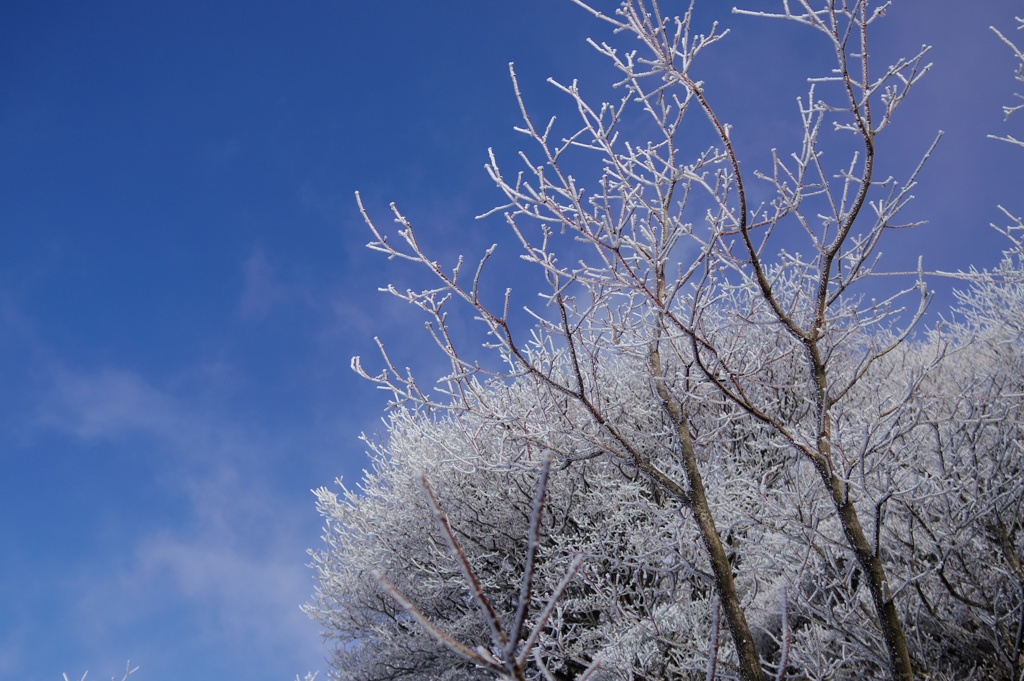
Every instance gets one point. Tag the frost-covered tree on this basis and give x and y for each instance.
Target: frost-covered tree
(964, 538)
(755, 471)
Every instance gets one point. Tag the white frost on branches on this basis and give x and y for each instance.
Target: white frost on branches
(128, 671)
(1012, 109)
(711, 454)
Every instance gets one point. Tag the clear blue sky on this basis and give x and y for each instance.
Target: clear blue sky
(183, 283)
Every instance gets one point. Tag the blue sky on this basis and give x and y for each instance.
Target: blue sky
(183, 283)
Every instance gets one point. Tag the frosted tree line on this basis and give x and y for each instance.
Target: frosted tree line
(715, 450)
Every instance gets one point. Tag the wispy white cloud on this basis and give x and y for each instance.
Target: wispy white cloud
(232, 580)
(227, 560)
(109, 403)
(12, 656)
(262, 288)
(240, 562)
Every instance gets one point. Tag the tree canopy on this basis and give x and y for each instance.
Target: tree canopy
(725, 446)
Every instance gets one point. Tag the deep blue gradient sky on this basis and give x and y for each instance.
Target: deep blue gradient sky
(183, 283)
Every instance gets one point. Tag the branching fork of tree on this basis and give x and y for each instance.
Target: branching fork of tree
(724, 359)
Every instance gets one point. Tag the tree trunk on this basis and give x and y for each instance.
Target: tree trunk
(888, 618)
(749, 660)
(696, 499)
